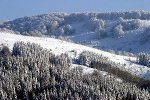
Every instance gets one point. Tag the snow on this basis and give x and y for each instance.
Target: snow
(60, 46)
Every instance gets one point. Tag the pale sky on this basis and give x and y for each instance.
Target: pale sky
(11, 9)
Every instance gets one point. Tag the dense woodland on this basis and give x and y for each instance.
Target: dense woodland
(29, 72)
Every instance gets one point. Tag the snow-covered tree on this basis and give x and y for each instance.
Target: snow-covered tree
(87, 57)
(118, 31)
(68, 29)
(54, 25)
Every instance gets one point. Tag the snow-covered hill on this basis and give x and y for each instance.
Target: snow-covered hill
(118, 31)
(59, 46)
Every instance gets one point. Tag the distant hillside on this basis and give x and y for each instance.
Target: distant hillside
(67, 24)
(118, 31)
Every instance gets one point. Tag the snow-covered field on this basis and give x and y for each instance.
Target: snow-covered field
(59, 46)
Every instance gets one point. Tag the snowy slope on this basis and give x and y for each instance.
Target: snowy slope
(59, 46)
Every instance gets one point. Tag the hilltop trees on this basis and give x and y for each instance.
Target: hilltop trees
(94, 24)
(50, 24)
